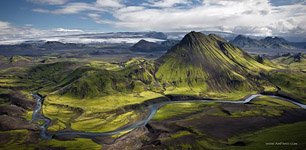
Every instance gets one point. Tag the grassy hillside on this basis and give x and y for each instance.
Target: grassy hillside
(290, 82)
(293, 62)
(291, 78)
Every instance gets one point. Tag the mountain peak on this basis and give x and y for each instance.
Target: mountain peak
(146, 46)
(192, 36)
(194, 39)
(143, 41)
(241, 37)
(276, 39)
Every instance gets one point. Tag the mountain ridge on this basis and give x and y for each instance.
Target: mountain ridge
(266, 43)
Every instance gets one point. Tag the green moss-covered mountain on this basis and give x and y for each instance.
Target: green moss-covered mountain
(209, 63)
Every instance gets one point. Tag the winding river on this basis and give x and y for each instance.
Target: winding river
(38, 116)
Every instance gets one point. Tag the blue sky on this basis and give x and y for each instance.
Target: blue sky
(20, 13)
(253, 17)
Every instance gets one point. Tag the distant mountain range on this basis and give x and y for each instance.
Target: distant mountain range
(265, 43)
(50, 45)
(148, 42)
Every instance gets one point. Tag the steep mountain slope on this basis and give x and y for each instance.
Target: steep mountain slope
(208, 63)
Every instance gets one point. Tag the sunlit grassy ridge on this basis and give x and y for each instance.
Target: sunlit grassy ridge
(104, 122)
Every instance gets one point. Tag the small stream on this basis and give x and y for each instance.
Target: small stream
(38, 116)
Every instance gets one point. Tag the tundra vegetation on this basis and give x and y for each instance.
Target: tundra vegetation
(93, 95)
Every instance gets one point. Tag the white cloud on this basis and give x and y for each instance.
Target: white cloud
(39, 10)
(50, 2)
(4, 25)
(77, 7)
(14, 35)
(247, 17)
(166, 3)
(253, 30)
(97, 18)
(69, 30)
(73, 8)
(7, 31)
(109, 3)
(257, 17)
(10, 34)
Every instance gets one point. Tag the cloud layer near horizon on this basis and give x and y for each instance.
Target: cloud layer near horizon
(258, 17)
